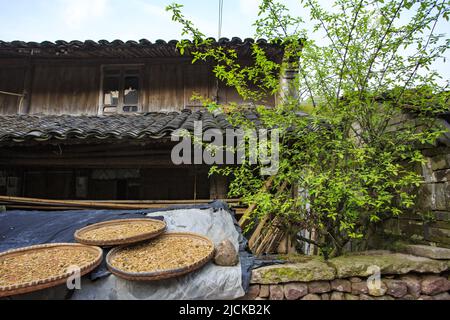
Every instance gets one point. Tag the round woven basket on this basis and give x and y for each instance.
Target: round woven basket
(123, 240)
(164, 274)
(40, 284)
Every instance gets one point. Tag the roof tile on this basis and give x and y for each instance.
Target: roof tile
(153, 125)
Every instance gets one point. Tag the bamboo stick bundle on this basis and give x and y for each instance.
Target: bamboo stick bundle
(271, 238)
(253, 206)
(256, 236)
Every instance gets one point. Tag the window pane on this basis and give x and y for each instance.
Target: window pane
(131, 91)
(111, 91)
(130, 109)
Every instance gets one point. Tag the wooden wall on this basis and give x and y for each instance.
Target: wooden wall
(11, 80)
(73, 86)
(65, 89)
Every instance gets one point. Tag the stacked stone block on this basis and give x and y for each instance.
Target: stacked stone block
(402, 277)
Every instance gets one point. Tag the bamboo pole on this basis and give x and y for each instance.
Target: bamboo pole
(52, 208)
(253, 206)
(256, 235)
(232, 201)
(12, 94)
(96, 204)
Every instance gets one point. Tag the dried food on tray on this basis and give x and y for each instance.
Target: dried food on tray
(170, 255)
(38, 267)
(116, 232)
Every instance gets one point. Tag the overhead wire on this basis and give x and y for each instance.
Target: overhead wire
(220, 18)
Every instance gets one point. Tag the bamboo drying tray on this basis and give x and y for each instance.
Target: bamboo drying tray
(55, 280)
(161, 274)
(81, 235)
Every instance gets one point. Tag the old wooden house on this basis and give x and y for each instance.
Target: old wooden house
(92, 120)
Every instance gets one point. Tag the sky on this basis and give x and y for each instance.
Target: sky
(40, 20)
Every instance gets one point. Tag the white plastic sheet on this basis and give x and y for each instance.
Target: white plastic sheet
(210, 282)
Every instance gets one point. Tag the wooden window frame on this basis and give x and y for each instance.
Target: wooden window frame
(120, 105)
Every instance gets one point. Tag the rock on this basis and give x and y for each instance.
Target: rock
(428, 252)
(442, 296)
(294, 291)
(355, 279)
(319, 287)
(384, 298)
(425, 197)
(365, 297)
(377, 289)
(252, 293)
(311, 296)
(226, 254)
(408, 297)
(432, 285)
(433, 196)
(440, 162)
(325, 296)
(413, 284)
(396, 288)
(309, 269)
(341, 285)
(359, 288)
(349, 296)
(423, 297)
(442, 215)
(337, 296)
(441, 196)
(439, 235)
(264, 291)
(276, 292)
(259, 298)
(361, 265)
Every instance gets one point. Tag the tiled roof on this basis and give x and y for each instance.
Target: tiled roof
(119, 49)
(19, 128)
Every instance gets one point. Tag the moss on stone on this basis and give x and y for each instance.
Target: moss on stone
(298, 258)
(361, 265)
(304, 269)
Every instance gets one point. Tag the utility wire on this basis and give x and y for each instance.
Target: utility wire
(220, 19)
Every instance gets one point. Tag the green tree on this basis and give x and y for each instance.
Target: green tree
(348, 164)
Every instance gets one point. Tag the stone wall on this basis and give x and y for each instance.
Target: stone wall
(429, 222)
(403, 277)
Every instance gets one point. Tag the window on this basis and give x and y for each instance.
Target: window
(120, 92)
